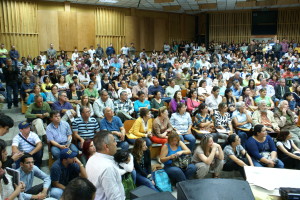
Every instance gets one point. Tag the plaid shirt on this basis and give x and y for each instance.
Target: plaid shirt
(126, 106)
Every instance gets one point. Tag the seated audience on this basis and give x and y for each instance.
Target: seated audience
(28, 142)
(74, 95)
(213, 100)
(230, 100)
(192, 102)
(262, 149)
(182, 122)
(207, 157)
(27, 173)
(59, 135)
(142, 102)
(64, 107)
(204, 90)
(235, 156)
(287, 151)
(53, 95)
(223, 121)
(156, 103)
(88, 149)
(84, 102)
(64, 170)
(101, 103)
(267, 99)
(142, 164)
(141, 128)
(175, 101)
(114, 125)
(281, 89)
(36, 91)
(172, 150)
(141, 87)
(124, 88)
(247, 99)
(91, 92)
(161, 126)
(287, 121)
(172, 88)
(26, 88)
(123, 107)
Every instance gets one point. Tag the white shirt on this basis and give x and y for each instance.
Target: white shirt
(126, 90)
(212, 102)
(22, 145)
(125, 50)
(104, 174)
(91, 52)
(171, 91)
(74, 56)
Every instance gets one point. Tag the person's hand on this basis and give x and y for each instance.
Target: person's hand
(189, 131)
(46, 114)
(76, 160)
(277, 130)
(20, 188)
(122, 137)
(179, 153)
(173, 156)
(284, 111)
(164, 135)
(215, 146)
(271, 164)
(230, 132)
(153, 182)
(17, 156)
(63, 146)
(73, 113)
(42, 195)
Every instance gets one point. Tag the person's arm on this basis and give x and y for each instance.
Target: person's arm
(135, 129)
(281, 147)
(46, 179)
(237, 161)
(97, 110)
(83, 173)
(58, 185)
(208, 160)
(163, 154)
(75, 133)
(38, 147)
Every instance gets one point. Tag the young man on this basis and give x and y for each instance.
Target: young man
(79, 188)
(6, 123)
(64, 170)
(28, 142)
(27, 173)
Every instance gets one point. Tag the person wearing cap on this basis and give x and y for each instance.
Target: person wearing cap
(64, 170)
(6, 122)
(28, 142)
(27, 173)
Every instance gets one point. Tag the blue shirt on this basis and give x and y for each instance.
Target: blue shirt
(235, 92)
(28, 180)
(30, 99)
(64, 174)
(153, 89)
(85, 130)
(171, 152)
(254, 147)
(241, 117)
(181, 122)
(138, 105)
(116, 65)
(59, 134)
(114, 125)
(57, 106)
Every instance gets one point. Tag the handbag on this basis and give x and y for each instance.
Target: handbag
(267, 155)
(182, 161)
(128, 184)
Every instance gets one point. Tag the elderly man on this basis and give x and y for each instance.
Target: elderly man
(242, 120)
(123, 107)
(59, 134)
(85, 127)
(38, 113)
(287, 121)
(156, 87)
(105, 176)
(140, 87)
(101, 103)
(64, 107)
(265, 117)
(281, 89)
(236, 89)
(28, 142)
(115, 126)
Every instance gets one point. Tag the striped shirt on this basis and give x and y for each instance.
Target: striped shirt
(85, 130)
(22, 145)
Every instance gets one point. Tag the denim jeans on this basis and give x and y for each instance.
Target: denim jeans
(177, 174)
(191, 139)
(141, 180)
(56, 151)
(148, 141)
(256, 163)
(123, 145)
(12, 88)
(243, 135)
(56, 193)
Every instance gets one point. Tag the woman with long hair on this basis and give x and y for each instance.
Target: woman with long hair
(91, 92)
(235, 156)
(156, 103)
(252, 87)
(88, 149)
(142, 164)
(84, 102)
(46, 86)
(105, 81)
(230, 100)
(177, 98)
(74, 96)
(172, 150)
(192, 101)
(84, 77)
(247, 98)
(36, 91)
(207, 157)
(262, 150)
(62, 84)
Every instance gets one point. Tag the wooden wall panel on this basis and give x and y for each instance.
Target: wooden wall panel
(48, 29)
(230, 26)
(147, 33)
(18, 26)
(288, 25)
(132, 33)
(160, 33)
(85, 29)
(68, 30)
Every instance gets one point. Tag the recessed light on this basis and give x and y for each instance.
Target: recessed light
(108, 1)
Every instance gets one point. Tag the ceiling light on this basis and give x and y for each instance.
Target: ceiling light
(109, 1)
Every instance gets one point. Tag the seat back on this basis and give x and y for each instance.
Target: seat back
(128, 124)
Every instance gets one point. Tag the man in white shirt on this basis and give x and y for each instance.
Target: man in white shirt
(105, 177)
(125, 50)
(172, 88)
(124, 88)
(270, 89)
(206, 78)
(91, 51)
(214, 99)
(75, 55)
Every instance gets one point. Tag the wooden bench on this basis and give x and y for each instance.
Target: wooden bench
(24, 107)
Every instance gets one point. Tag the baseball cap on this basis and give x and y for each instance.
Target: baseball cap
(24, 124)
(67, 153)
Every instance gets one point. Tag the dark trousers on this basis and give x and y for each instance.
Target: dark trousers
(12, 88)
(37, 157)
(230, 165)
(291, 163)
(35, 189)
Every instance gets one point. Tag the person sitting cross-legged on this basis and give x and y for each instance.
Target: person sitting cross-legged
(59, 134)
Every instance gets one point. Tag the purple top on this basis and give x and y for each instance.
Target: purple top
(57, 106)
(173, 105)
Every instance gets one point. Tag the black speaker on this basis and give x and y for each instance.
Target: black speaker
(214, 189)
(160, 195)
(140, 192)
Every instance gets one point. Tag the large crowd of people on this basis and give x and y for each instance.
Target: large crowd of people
(245, 94)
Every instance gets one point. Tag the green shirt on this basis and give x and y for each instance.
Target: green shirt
(38, 110)
(93, 94)
(267, 99)
(3, 51)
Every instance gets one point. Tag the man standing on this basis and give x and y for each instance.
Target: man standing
(106, 176)
(27, 173)
(85, 127)
(132, 51)
(51, 52)
(28, 142)
(64, 170)
(6, 122)
(101, 103)
(125, 50)
(110, 51)
(14, 55)
(59, 134)
(123, 107)
(11, 73)
(115, 126)
(91, 51)
(37, 114)
(99, 51)
(3, 54)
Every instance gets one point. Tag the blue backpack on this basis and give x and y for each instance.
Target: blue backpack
(162, 181)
